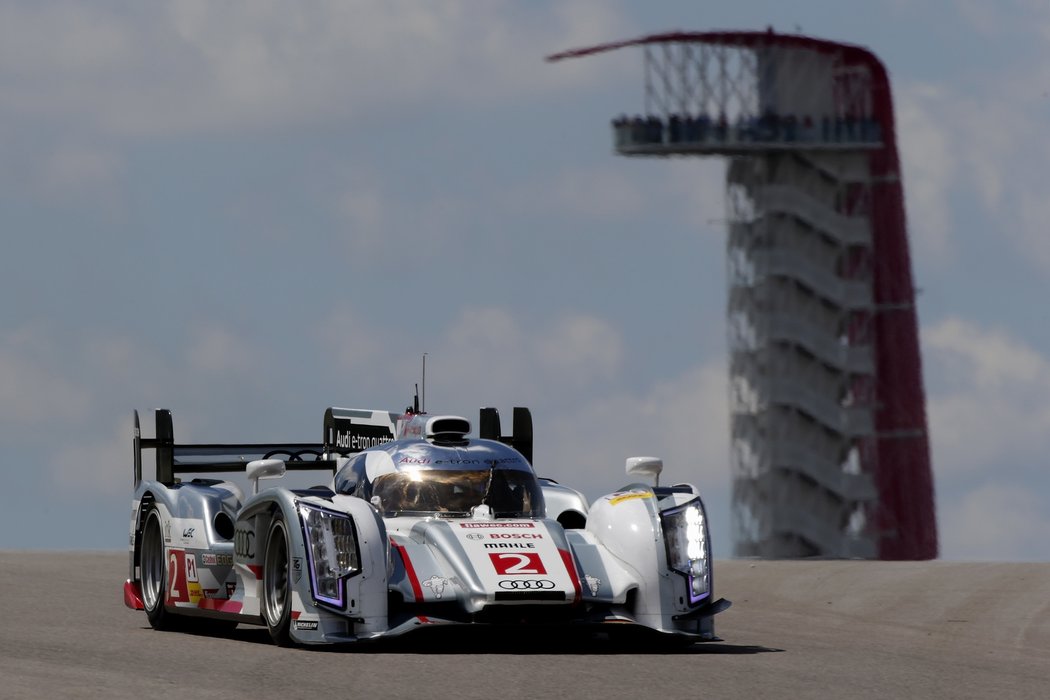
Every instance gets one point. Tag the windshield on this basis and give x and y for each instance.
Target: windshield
(509, 492)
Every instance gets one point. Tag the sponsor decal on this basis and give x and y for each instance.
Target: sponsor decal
(475, 536)
(415, 460)
(525, 584)
(209, 559)
(436, 584)
(515, 535)
(244, 544)
(183, 586)
(517, 563)
(297, 569)
(497, 525)
(191, 569)
(361, 437)
(185, 532)
(622, 496)
(593, 583)
(510, 545)
(231, 587)
(305, 624)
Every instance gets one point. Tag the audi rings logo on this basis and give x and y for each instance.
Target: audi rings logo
(540, 584)
(475, 536)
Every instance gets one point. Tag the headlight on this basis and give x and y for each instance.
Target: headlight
(688, 551)
(331, 551)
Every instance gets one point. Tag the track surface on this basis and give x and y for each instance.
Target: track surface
(823, 629)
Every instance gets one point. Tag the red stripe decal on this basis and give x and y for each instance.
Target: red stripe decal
(566, 557)
(226, 606)
(256, 570)
(296, 614)
(417, 590)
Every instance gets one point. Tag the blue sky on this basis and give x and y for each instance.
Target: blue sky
(249, 211)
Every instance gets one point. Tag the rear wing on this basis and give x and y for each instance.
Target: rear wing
(520, 440)
(346, 431)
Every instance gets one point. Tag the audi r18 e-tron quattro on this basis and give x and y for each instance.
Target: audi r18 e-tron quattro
(420, 524)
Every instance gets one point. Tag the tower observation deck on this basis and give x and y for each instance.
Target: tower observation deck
(829, 450)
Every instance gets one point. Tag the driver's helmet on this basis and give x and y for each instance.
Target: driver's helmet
(420, 478)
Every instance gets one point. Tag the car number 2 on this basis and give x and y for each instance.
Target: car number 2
(511, 563)
(182, 571)
(173, 575)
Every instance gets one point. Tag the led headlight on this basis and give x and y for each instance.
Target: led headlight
(331, 552)
(688, 550)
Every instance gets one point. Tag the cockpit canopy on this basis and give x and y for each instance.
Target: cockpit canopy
(419, 477)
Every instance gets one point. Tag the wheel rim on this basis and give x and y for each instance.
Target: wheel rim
(152, 561)
(275, 576)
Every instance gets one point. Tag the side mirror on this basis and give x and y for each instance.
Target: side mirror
(264, 469)
(645, 467)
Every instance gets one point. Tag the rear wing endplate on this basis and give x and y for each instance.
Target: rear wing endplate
(520, 440)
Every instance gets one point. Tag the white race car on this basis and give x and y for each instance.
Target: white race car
(420, 525)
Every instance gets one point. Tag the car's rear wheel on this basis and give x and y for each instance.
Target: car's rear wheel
(277, 589)
(154, 572)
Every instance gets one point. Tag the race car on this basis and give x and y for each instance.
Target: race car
(419, 525)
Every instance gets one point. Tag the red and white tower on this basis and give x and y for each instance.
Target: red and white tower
(829, 450)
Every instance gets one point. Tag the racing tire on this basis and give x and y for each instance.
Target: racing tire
(153, 566)
(277, 586)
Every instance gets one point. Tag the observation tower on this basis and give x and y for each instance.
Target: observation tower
(829, 448)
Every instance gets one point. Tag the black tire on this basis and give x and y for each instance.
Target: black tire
(277, 587)
(154, 573)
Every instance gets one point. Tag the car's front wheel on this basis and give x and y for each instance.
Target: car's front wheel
(277, 589)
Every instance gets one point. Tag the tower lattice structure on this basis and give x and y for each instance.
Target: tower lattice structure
(829, 450)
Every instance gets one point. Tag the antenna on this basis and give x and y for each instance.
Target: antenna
(424, 406)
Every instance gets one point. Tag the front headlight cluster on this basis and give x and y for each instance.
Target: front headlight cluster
(331, 551)
(688, 551)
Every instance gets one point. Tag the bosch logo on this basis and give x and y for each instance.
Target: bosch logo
(541, 584)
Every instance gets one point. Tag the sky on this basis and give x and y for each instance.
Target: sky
(252, 210)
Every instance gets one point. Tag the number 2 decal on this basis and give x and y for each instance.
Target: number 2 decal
(173, 574)
(511, 563)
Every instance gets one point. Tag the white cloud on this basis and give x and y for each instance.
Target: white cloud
(34, 386)
(364, 208)
(80, 170)
(570, 371)
(979, 140)
(215, 349)
(930, 166)
(100, 466)
(684, 420)
(482, 355)
(1000, 522)
(615, 190)
(488, 353)
(599, 193)
(987, 402)
(581, 347)
(249, 63)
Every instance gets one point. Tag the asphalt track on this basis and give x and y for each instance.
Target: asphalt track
(814, 629)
